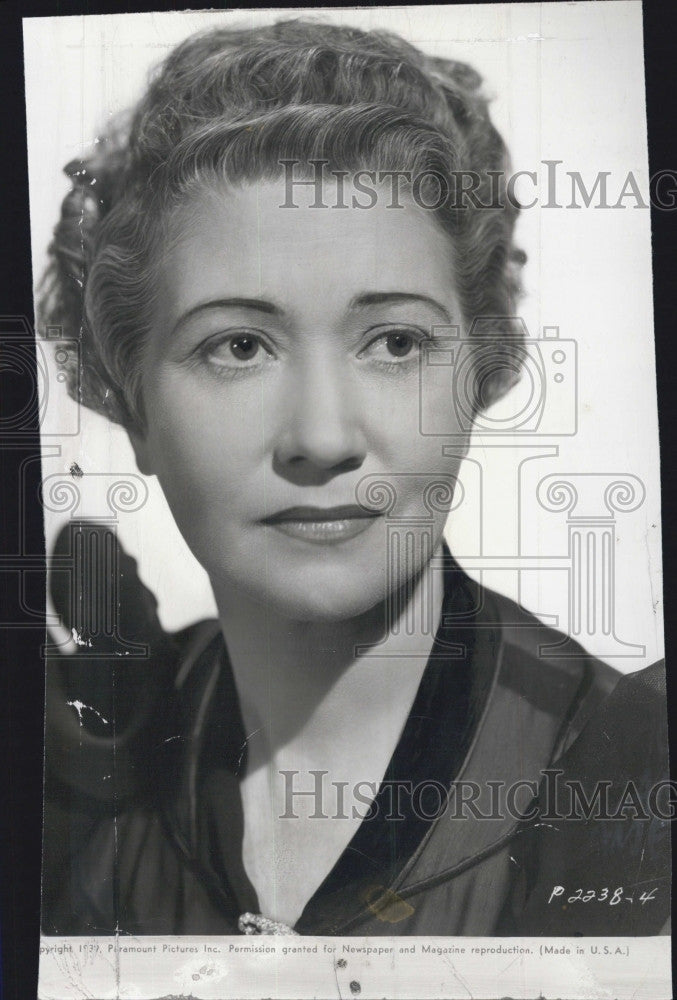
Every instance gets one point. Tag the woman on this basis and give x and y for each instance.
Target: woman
(257, 263)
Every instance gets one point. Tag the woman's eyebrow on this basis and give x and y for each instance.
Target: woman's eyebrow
(381, 298)
(260, 305)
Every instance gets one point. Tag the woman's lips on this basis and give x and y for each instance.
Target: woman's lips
(322, 525)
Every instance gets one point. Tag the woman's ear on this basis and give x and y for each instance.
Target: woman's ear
(139, 442)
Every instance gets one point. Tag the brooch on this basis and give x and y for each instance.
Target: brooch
(256, 923)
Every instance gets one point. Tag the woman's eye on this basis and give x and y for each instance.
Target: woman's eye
(238, 350)
(244, 347)
(400, 344)
(395, 344)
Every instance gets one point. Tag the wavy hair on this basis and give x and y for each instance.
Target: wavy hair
(228, 105)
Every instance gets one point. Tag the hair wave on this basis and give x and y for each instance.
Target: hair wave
(228, 105)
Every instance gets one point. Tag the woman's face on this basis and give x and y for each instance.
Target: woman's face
(281, 371)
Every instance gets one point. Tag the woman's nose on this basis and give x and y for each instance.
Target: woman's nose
(322, 426)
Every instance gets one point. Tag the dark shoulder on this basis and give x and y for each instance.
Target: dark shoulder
(548, 667)
(108, 765)
(608, 825)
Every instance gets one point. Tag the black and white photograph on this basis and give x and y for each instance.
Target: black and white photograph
(354, 662)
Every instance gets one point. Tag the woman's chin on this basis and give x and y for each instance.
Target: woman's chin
(308, 583)
(308, 597)
(325, 604)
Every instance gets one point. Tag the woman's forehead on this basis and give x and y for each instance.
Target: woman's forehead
(245, 239)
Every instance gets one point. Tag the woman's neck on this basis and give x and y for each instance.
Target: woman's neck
(308, 689)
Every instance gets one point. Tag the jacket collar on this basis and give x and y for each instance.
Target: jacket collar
(519, 726)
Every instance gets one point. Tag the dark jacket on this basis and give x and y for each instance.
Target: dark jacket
(145, 836)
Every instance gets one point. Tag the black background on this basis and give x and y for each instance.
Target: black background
(21, 669)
